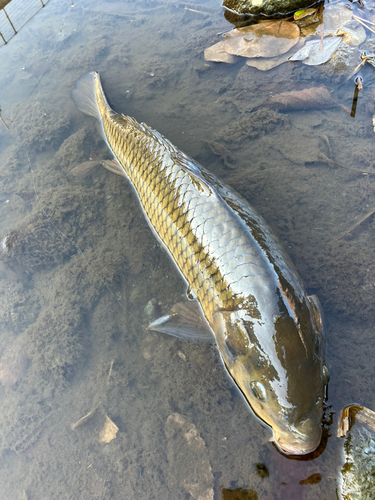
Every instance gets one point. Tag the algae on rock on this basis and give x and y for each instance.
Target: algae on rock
(266, 7)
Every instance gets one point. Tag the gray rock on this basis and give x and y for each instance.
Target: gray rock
(266, 7)
(358, 426)
(188, 458)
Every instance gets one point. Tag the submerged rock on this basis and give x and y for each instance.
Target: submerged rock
(358, 472)
(266, 7)
(14, 362)
(188, 458)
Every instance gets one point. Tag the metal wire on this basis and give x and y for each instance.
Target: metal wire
(15, 15)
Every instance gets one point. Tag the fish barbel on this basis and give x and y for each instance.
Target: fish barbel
(269, 332)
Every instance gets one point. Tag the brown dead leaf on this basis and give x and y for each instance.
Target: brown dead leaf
(315, 97)
(277, 28)
(265, 39)
(217, 53)
(266, 46)
(352, 37)
(267, 63)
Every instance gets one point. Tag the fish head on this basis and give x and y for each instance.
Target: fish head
(278, 364)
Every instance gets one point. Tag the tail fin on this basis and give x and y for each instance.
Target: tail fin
(84, 94)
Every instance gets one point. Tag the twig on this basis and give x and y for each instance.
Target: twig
(323, 157)
(364, 59)
(1, 119)
(82, 420)
(196, 11)
(358, 18)
(362, 219)
(363, 24)
(110, 371)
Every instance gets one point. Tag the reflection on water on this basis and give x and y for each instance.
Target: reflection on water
(79, 264)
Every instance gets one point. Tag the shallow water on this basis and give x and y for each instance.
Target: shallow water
(84, 265)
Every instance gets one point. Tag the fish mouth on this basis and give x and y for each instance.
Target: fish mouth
(296, 447)
(299, 439)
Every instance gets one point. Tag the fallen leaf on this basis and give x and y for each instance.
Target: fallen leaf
(336, 16)
(315, 97)
(264, 64)
(352, 37)
(301, 14)
(266, 46)
(310, 19)
(312, 53)
(216, 53)
(277, 28)
(265, 39)
(109, 431)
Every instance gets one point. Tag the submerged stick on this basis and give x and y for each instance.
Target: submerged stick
(323, 157)
(354, 226)
(110, 371)
(2, 121)
(359, 19)
(82, 420)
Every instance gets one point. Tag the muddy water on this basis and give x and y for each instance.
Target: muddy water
(82, 275)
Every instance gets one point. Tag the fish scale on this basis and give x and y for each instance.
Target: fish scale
(165, 191)
(268, 331)
(195, 226)
(190, 218)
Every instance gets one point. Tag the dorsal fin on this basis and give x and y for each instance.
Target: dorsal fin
(158, 137)
(191, 167)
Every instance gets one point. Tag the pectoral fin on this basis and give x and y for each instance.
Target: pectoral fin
(185, 321)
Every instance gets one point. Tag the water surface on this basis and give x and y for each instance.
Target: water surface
(82, 275)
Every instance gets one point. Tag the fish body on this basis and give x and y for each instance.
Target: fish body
(268, 331)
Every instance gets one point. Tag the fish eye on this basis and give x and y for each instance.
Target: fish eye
(326, 376)
(258, 390)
